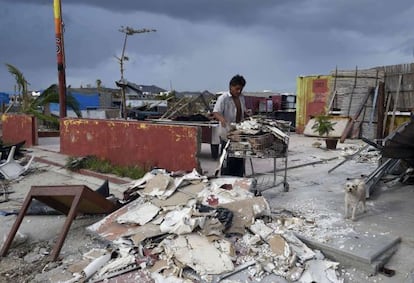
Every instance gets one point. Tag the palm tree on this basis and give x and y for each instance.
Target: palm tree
(36, 106)
(51, 95)
(21, 84)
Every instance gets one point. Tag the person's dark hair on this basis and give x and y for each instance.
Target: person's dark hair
(237, 80)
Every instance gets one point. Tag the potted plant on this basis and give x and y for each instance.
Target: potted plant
(323, 126)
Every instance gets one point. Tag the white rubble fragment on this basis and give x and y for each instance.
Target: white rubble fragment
(142, 181)
(249, 126)
(278, 133)
(260, 228)
(198, 253)
(117, 263)
(303, 252)
(321, 271)
(180, 221)
(158, 278)
(157, 186)
(95, 265)
(223, 196)
(188, 178)
(140, 214)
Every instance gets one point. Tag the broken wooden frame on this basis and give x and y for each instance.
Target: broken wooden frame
(68, 199)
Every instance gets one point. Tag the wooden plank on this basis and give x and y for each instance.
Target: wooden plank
(352, 92)
(395, 103)
(353, 120)
(331, 102)
(387, 108)
(380, 111)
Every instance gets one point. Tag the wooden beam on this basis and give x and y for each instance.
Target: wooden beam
(353, 120)
(380, 111)
(397, 96)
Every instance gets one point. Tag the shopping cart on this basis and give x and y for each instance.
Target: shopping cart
(264, 145)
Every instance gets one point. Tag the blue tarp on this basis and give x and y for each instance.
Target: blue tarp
(86, 101)
(4, 98)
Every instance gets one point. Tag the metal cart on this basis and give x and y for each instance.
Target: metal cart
(265, 145)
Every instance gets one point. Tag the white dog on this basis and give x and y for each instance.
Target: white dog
(354, 194)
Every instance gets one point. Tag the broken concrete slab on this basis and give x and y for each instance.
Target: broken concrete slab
(366, 252)
(140, 214)
(181, 196)
(197, 252)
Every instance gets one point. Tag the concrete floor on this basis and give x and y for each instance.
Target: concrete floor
(313, 194)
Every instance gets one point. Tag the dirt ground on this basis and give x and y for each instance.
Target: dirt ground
(314, 194)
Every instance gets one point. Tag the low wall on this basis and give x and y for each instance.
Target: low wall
(19, 127)
(172, 147)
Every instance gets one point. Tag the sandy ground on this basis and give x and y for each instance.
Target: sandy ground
(313, 194)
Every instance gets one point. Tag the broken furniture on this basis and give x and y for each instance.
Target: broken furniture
(68, 199)
(11, 169)
(4, 191)
(396, 148)
(5, 150)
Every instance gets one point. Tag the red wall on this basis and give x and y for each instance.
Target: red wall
(172, 147)
(19, 127)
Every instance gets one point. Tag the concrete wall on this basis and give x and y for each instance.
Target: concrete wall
(171, 147)
(19, 127)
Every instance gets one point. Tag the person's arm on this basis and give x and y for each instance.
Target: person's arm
(220, 118)
(218, 111)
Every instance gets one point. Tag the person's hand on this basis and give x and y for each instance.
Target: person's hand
(223, 123)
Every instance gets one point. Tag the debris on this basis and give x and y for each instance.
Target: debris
(198, 253)
(78, 199)
(321, 271)
(11, 169)
(376, 252)
(141, 214)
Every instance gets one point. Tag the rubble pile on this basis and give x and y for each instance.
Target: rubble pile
(188, 228)
(259, 137)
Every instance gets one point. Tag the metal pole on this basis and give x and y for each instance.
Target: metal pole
(60, 57)
(123, 95)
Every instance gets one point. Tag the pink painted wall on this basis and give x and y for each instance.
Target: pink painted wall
(19, 127)
(172, 147)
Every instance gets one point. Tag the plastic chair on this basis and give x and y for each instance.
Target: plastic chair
(11, 169)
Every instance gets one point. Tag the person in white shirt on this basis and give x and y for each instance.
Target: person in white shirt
(230, 108)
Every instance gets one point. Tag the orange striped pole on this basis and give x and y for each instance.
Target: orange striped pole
(60, 57)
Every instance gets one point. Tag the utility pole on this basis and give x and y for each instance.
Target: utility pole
(60, 57)
(127, 31)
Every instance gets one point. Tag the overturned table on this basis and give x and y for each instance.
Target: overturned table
(68, 199)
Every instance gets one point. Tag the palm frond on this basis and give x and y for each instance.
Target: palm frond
(20, 79)
(51, 95)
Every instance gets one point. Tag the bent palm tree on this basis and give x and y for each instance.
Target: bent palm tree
(21, 84)
(49, 95)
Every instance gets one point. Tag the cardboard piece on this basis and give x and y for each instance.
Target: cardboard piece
(339, 127)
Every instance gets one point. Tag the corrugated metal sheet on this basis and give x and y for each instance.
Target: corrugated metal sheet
(312, 94)
(400, 144)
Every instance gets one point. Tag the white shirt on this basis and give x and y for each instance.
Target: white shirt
(226, 107)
